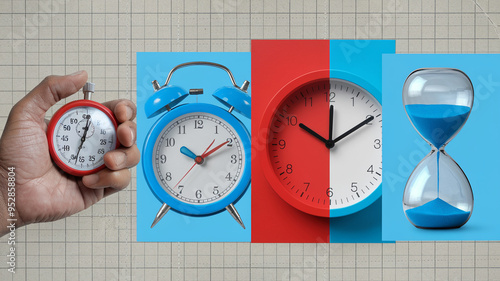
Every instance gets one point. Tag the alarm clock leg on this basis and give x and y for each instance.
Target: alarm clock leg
(163, 210)
(234, 213)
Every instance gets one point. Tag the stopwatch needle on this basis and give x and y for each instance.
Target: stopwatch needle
(353, 129)
(165, 208)
(84, 137)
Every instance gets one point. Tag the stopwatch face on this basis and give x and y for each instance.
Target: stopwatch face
(81, 135)
(318, 178)
(180, 168)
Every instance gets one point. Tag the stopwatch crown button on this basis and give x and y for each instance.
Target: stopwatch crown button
(88, 87)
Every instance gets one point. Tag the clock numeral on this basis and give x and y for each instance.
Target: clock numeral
(377, 144)
(233, 159)
(198, 124)
(308, 101)
(182, 130)
(216, 190)
(329, 192)
(103, 132)
(100, 151)
(370, 169)
(216, 129)
(66, 148)
(368, 116)
(354, 186)
(81, 159)
(85, 116)
(352, 101)
(291, 120)
(73, 120)
(307, 185)
(282, 144)
(91, 158)
(66, 128)
(289, 169)
(170, 142)
(181, 188)
(103, 141)
(168, 176)
(330, 96)
(198, 194)
(228, 177)
(65, 138)
(163, 158)
(230, 142)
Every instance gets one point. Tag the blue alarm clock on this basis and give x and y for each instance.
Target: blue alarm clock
(196, 157)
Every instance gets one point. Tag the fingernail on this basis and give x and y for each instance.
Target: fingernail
(129, 113)
(90, 180)
(76, 73)
(132, 136)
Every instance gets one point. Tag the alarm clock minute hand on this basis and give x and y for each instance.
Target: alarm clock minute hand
(330, 128)
(353, 129)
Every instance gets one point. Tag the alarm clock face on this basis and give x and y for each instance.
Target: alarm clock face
(198, 158)
(79, 136)
(322, 173)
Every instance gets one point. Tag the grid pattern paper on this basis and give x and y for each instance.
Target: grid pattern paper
(39, 38)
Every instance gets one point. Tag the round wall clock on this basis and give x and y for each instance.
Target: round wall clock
(324, 144)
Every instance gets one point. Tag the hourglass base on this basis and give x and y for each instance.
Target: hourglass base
(437, 214)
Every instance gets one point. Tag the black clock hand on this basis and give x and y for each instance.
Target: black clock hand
(84, 137)
(353, 129)
(330, 132)
(310, 131)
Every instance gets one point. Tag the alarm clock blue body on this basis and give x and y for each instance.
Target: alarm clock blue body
(148, 152)
(158, 113)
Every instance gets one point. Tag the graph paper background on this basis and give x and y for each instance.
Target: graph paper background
(39, 38)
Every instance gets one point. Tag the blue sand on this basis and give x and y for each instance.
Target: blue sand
(437, 214)
(437, 122)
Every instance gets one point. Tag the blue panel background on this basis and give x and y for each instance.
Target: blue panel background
(360, 61)
(475, 148)
(174, 226)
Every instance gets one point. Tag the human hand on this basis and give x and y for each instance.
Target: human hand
(43, 191)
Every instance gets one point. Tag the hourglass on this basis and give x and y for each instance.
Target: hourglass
(438, 102)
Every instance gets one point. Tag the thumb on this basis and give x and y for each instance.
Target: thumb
(51, 90)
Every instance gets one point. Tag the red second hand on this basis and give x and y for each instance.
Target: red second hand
(206, 154)
(193, 165)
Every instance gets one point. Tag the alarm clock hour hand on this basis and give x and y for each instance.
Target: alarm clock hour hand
(353, 129)
(188, 153)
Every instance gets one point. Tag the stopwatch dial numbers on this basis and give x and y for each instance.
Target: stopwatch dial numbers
(184, 173)
(82, 136)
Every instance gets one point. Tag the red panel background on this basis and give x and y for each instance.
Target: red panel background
(274, 64)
